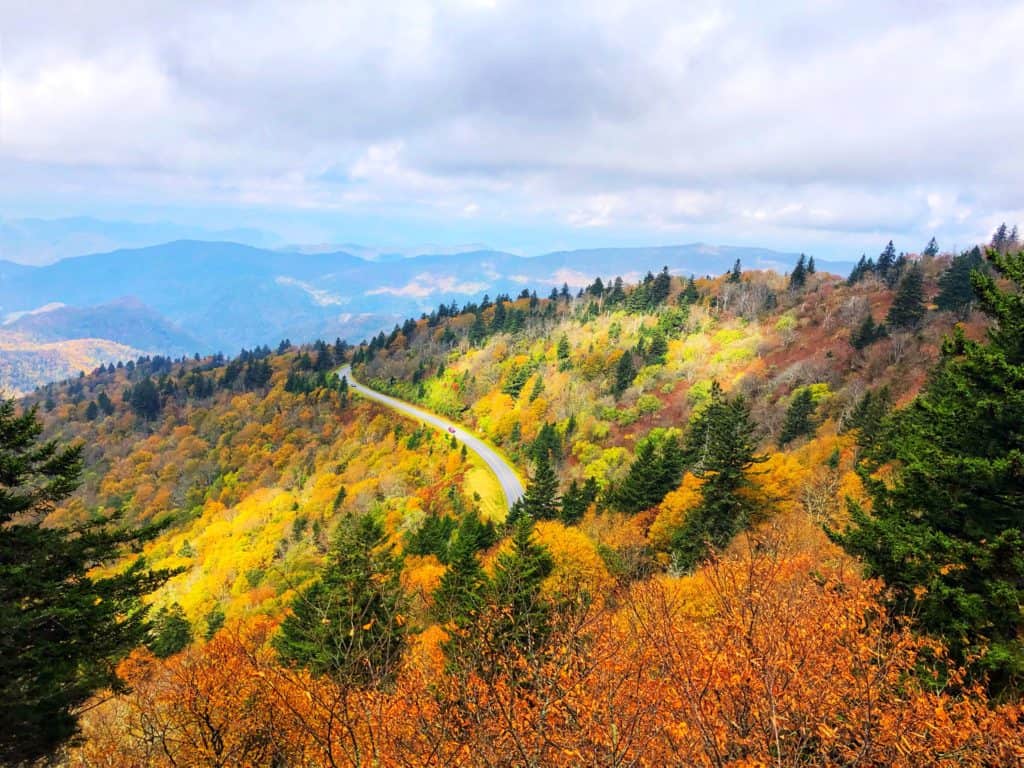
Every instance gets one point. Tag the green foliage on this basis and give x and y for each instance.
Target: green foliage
(540, 500)
(721, 448)
(62, 631)
(170, 632)
(348, 624)
(431, 538)
(656, 470)
(798, 277)
(867, 333)
(908, 307)
(955, 291)
(460, 594)
(945, 531)
(145, 400)
(576, 499)
(625, 372)
(214, 621)
(799, 419)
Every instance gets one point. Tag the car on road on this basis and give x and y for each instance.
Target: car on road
(452, 430)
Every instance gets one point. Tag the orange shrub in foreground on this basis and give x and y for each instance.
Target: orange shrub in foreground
(759, 659)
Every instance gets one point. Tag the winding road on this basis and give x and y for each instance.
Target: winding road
(510, 483)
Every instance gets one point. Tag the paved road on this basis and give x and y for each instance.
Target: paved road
(510, 483)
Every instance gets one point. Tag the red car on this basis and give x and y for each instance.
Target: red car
(452, 430)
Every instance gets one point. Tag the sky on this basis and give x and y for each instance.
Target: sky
(819, 126)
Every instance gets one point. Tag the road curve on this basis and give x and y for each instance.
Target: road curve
(511, 486)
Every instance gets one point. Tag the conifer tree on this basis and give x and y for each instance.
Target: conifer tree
(955, 291)
(690, 294)
(945, 529)
(171, 631)
(886, 261)
(625, 372)
(736, 273)
(908, 307)
(522, 617)
(563, 352)
(349, 623)
(62, 628)
(811, 267)
(540, 500)
(459, 595)
(799, 417)
(798, 277)
(866, 333)
(932, 249)
(721, 447)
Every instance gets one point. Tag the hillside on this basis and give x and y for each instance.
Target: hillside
(227, 295)
(583, 629)
(27, 363)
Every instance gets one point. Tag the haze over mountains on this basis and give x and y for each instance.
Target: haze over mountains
(195, 296)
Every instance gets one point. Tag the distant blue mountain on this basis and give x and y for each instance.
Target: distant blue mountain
(225, 295)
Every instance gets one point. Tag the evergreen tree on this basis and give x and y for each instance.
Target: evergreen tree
(145, 399)
(811, 267)
(656, 470)
(215, 618)
(348, 624)
(540, 500)
(908, 307)
(661, 287)
(170, 632)
(625, 372)
(461, 593)
(886, 261)
(799, 419)
(577, 499)
(734, 275)
(1000, 238)
(721, 448)
(92, 411)
(932, 249)
(522, 617)
(690, 294)
(955, 291)
(866, 333)
(563, 352)
(657, 348)
(798, 277)
(945, 529)
(617, 294)
(62, 629)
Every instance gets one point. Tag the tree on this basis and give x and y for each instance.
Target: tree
(798, 276)
(721, 448)
(625, 372)
(811, 266)
(886, 262)
(955, 291)
(170, 632)
(459, 596)
(690, 294)
(932, 249)
(656, 470)
(734, 275)
(540, 500)
(799, 419)
(349, 624)
(866, 333)
(944, 529)
(522, 616)
(92, 411)
(563, 351)
(145, 399)
(62, 630)
(908, 307)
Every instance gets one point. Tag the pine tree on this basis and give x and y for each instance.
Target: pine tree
(660, 287)
(657, 348)
(799, 419)
(866, 333)
(522, 616)
(92, 411)
(459, 596)
(945, 529)
(811, 267)
(145, 399)
(171, 631)
(62, 629)
(540, 500)
(563, 352)
(690, 294)
(349, 623)
(798, 277)
(908, 307)
(886, 261)
(625, 372)
(955, 291)
(736, 273)
(721, 447)
(932, 249)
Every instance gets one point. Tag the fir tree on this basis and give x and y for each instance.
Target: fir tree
(811, 267)
(798, 277)
(348, 624)
(170, 633)
(522, 616)
(908, 307)
(540, 500)
(945, 529)
(721, 448)
(736, 273)
(690, 294)
(955, 291)
(563, 351)
(932, 249)
(459, 596)
(866, 333)
(625, 372)
(62, 628)
(92, 411)
(886, 261)
(799, 419)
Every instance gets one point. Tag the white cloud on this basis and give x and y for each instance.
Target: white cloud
(426, 284)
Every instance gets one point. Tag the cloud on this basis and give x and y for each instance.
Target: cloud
(832, 123)
(320, 297)
(426, 284)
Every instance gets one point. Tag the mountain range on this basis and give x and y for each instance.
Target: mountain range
(197, 296)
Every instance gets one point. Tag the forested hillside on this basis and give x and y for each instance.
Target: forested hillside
(706, 457)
